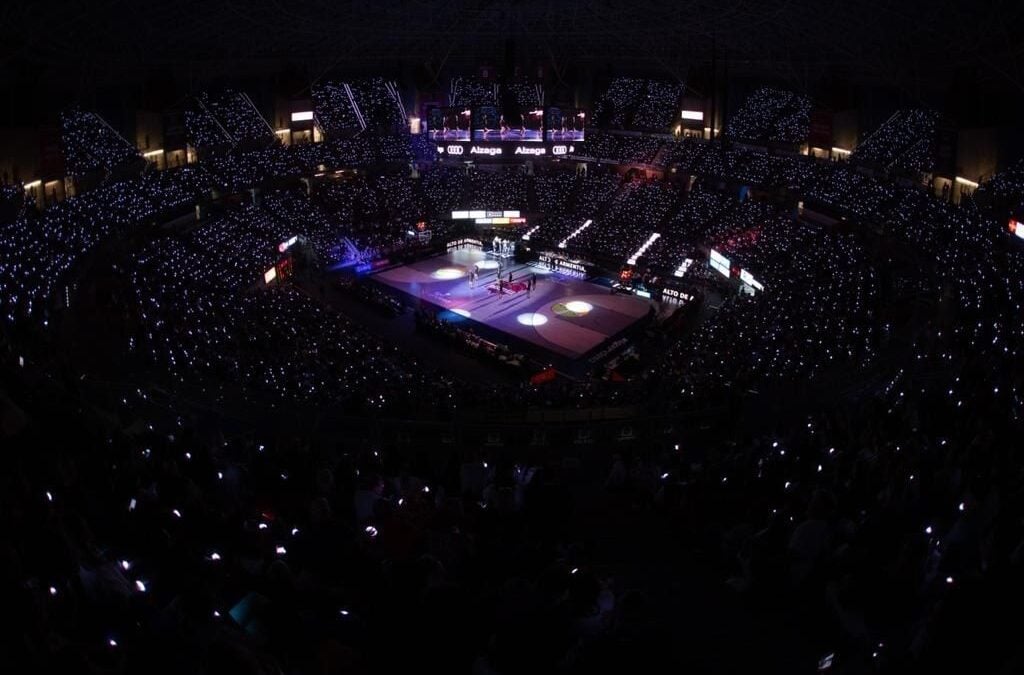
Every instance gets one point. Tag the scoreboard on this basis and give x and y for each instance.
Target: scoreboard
(501, 150)
(488, 133)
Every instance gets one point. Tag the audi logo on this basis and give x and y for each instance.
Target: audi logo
(455, 149)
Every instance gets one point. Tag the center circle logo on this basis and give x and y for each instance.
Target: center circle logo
(572, 308)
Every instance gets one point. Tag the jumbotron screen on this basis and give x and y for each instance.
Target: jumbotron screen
(490, 133)
(449, 124)
(492, 124)
(565, 124)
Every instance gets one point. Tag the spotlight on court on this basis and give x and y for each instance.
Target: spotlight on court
(578, 306)
(571, 309)
(448, 273)
(532, 319)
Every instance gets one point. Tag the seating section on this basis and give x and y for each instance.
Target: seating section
(620, 149)
(90, 144)
(526, 95)
(644, 105)
(905, 141)
(637, 210)
(229, 113)
(379, 104)
(335, 111)
(471, 91)
(230, 448)
(773, 116)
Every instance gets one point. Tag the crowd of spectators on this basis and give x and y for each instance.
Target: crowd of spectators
(236, 114)
(90, 144)
(886, 523)
(905, 140)
(202, 129)
(442, 189)
(172, 190)
(877, 497)
(641, 104)
(636, 211)
(658, 108)
(334, 110)
(612, 109)
(819, 311)
(554, 190)
(379, 104)
(885, 520)
(684, 152)
(471, 91)
(238, 170)
(307, 219)
(566, 200)
(620, 149)
(38, 251)
(526, 95)
(197, 320)
(563, 198)
(773, 116)
(289, 555)
(355, 203)
(848, 190)
(685, 229)
(502, 189)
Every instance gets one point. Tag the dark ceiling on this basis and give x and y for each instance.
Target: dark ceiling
(894, 43)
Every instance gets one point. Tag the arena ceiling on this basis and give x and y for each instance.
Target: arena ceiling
(896, 42)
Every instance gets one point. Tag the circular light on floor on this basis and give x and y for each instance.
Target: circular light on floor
(487, 265)
(572, 309)
(461, 312)
(579, 307)
(532, 319)
(449, 273)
